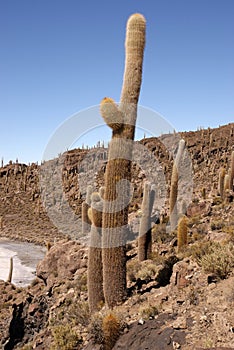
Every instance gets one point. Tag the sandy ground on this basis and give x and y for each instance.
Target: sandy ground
(25, 259)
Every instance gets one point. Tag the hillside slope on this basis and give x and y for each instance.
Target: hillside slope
(177, 300)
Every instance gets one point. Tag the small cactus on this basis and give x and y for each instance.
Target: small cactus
(111, 330)
(9, 279)
(48, 245)
(182, 233)
(203, 193)
(211, 140)
(226, 182)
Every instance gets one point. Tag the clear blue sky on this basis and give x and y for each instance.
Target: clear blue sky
(59, 57)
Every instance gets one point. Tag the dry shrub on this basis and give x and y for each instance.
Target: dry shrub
(149, 311)
(216, 225)
(229, 229)
(65, 338)
(148, 271)
(218, 259)
(95, 328)
(160, 234)
(133, 266)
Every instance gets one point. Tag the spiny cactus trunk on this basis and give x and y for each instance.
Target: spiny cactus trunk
(84, 210)
(122, 120)
(174, 185)
(182, 234)
(145, 236)
(95, 273)
(1, 222)
(221, 182)
(231, 178)
(173, 197)
(9, 279)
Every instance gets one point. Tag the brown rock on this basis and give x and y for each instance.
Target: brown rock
(196, 209)
(61, 262)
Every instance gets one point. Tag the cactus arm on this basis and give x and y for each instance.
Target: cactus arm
(111, 114)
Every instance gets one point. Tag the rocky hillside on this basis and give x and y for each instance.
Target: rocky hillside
(176, 300)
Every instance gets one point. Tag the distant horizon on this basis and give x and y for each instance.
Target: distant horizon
(89, 147)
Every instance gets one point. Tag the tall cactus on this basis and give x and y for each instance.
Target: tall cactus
(145, 238)
(231, 179)
(121, 119)
(174, 185)
(95, 279)
(1, 222)
(84, 210)
(221, 182)
(227, 182)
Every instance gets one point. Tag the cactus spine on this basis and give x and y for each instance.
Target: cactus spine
(95, 279)
(145, 238)
(182, 234)
(122, 121)
(174, 185)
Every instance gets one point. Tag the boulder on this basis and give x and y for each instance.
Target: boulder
(61, 262)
